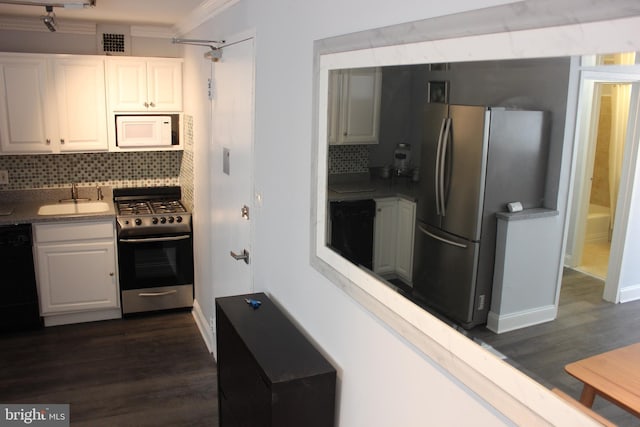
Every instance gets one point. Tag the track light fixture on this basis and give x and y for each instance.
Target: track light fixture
(49, 19)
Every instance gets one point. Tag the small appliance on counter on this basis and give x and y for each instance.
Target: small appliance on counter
(402, 159)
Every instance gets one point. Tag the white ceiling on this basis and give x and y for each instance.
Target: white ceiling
(140, 12)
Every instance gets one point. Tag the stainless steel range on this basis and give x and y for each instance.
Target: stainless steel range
(155, 249)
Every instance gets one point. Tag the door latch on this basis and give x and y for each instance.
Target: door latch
(243, 256)
(245, 212)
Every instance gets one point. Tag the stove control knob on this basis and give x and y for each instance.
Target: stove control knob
(138, 221)
(154, 220)
(170, 220)
(178, 219)
(163, 220)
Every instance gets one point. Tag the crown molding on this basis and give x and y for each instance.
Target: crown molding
(160, 32)
(205, 11)
(34, 24)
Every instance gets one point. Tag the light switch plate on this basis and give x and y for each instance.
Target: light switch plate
(4, 177)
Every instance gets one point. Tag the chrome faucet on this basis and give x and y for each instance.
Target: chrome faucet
(99, 195)
(74, 191)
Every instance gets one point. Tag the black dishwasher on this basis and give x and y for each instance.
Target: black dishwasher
(352, 230)
(19, 303)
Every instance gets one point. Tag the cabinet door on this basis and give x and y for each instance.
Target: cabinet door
(164, 85)
(384, 240)
(360, 106)
(127, 84)
(77, 276)
(24, 125)
(333, 118)
(82, 111)
(405, 236)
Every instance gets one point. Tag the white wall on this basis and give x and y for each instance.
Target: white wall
(383, 381)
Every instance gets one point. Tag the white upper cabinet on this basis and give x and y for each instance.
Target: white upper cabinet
(81, 99)
(354, 106)
(52, 104)
(145, 84)
(26, 125)
(55, 103)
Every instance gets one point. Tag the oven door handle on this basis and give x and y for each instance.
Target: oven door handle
(156, 239)
(157, 294)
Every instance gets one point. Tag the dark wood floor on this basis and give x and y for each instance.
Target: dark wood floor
(586, 325)
(147, 371)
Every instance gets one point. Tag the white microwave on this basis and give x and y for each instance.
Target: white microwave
(146, 131)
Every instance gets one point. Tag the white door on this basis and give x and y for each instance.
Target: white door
(232, 169)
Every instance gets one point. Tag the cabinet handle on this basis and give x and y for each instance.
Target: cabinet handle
(344, 134)
(112, 274)
(152, 104)
(48, 141)
(146, 104)
(61, 140)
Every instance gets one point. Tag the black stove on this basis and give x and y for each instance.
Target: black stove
(144, 211)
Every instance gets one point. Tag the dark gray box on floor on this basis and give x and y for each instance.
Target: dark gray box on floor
(269, 374)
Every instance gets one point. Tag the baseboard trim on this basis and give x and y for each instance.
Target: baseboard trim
(630, 293)
(81, 317)
(203, 326)
(512, 321)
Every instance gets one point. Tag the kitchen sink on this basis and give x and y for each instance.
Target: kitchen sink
(73, 208)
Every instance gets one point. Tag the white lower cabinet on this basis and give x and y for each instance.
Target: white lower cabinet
(384, 236)
(393, 238)
(405, 236)
(76, 271)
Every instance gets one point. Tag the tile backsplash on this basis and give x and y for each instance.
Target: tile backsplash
(348, 159)
(136, 169)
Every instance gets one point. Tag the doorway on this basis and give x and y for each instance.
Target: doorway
(606, 146)
(608, 84)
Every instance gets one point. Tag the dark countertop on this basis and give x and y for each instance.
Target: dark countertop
(23, 205)
(362, 186)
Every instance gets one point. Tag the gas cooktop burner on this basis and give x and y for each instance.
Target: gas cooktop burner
(133, 208)
(151, 211)
(146, 207)
(167, 206)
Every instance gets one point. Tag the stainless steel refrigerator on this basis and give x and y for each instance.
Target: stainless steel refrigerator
(474, 160)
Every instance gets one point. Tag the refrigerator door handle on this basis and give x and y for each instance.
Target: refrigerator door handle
(437, 174)
(443, 157)
(442, 239)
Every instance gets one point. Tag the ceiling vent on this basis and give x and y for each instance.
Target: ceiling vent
(113, 43)
(113, 39)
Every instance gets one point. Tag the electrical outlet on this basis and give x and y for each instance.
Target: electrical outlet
(4, 177)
